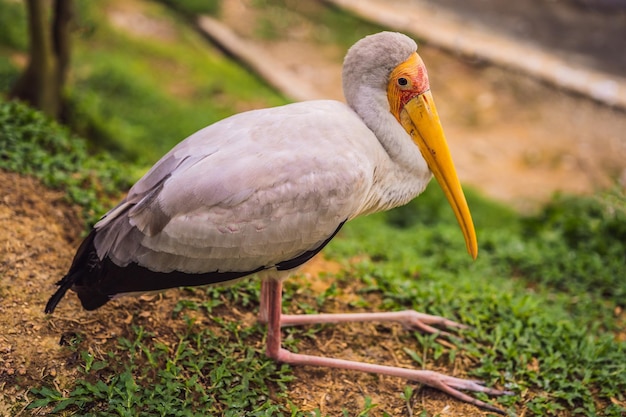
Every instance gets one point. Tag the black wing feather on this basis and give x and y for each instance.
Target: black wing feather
(96, 281)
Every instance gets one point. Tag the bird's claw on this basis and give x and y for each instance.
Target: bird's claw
(426, 323)
(448, 384)
(452, 385)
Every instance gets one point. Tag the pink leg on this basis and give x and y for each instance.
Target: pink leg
(409, 318)
(263, 313)
(270, 312)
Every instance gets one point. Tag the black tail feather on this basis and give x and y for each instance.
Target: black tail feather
(83, 264)
(64, 285)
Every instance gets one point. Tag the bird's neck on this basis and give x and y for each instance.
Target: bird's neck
(402, 172)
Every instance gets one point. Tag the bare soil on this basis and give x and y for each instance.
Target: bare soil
(517, 140)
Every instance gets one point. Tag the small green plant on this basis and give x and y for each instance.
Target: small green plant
(367, 407)
(407, 396)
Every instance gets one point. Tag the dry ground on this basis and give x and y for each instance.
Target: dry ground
(513, 138)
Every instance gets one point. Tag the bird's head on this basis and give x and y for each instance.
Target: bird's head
(388, 62)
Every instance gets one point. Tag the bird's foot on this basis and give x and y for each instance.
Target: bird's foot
(445, 383)
(409, 318)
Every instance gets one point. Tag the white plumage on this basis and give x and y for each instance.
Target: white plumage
(241, 194)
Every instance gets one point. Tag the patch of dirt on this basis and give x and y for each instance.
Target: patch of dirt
(37, 234)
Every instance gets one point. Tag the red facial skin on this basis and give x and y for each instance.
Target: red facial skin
(414, 72)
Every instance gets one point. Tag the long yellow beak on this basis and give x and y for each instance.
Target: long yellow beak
(420, 119)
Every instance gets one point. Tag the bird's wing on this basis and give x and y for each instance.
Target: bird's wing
(251, 191)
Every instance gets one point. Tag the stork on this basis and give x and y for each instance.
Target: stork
(261, 192)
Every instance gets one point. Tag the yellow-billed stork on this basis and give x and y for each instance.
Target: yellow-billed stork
(263, 191)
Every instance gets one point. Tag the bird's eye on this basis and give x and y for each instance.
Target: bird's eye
(402, 81)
